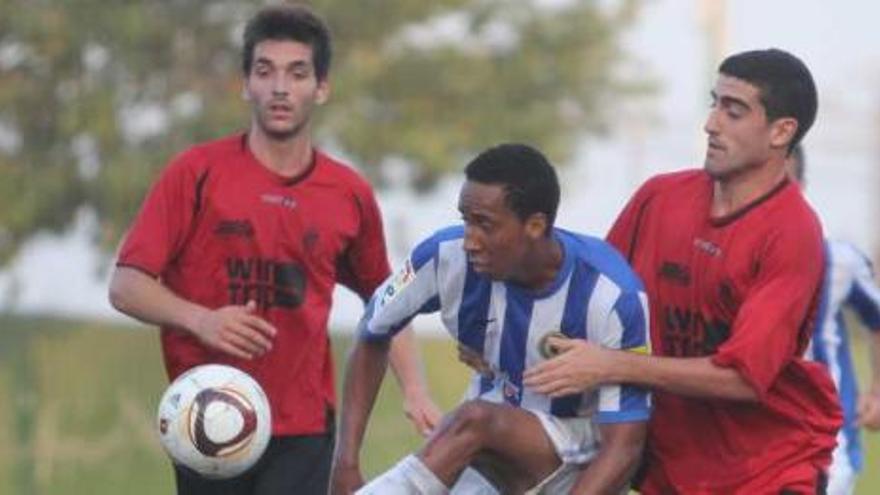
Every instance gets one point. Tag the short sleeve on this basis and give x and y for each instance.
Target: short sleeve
(413, 289)
(864, 295)
(365, 263)
(160, 229)
(624, 233)
(768, 327)
(627, 329)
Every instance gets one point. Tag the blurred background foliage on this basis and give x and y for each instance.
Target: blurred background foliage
(96, 95)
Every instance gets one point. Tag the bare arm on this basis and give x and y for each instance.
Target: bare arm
(406, 363)
(363, 377)
(695, 377)
(235, 330)
(869, 400)
(583, 365)
(613, 467)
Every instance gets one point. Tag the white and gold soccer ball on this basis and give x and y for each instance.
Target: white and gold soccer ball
(215, 420)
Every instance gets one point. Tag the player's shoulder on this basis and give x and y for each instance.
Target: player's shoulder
(788, 210)
(846, 253)
(675, 184)
(226, 147)
(601, 256)
(201, 157)
(450, 233)
(340, 172)
(842, 246)
(430, 247)
(676, 179)
(792, 198)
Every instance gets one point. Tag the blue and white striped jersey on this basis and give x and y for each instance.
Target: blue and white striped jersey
(595, 296)
(849, 282)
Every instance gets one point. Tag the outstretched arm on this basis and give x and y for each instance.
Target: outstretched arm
(406, 363)
(863, 296)
(869, 400)
(618, 458)
(363, 376)
(583, 365)
(234, 330)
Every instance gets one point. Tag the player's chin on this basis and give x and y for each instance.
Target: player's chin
(486, 271)
(279, 129)
(717, 168)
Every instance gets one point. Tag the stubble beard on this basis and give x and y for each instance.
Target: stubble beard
(280, 135)
(727, 171)
(713, 172)
(717, 167)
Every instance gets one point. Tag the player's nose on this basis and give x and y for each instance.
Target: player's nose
(711, 124)
(471, 242)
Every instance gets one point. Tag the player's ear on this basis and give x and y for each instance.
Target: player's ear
(323, 93)
(782, 131)
(536, 225)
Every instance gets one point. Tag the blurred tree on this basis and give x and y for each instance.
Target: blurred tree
(96, 95)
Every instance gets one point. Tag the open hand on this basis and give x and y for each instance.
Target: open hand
(421, 410)
(345, 479)
(578, 366)
(869, 410)
(235, 330)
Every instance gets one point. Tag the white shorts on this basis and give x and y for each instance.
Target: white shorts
(841, 475)
(471, 482)
(576, 443)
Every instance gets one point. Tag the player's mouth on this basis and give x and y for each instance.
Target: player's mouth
(715, 146)
(280, 110)
(479, 265)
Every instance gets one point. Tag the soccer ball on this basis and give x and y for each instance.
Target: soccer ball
(215, 420)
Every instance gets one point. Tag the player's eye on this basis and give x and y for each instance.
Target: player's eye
(735, 111)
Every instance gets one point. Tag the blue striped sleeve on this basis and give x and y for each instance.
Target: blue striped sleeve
(408, 292)
(864, 295)
(631, 309)
(622, 403)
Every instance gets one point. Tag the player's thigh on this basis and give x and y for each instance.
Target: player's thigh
(296, 464)
(517, 445)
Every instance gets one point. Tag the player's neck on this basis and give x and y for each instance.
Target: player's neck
(540, 270)
(286, 157)
(731, 194)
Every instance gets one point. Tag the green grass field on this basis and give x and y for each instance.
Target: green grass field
(80, 398)
(78, 401)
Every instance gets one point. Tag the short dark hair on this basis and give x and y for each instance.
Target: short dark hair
(529, 180)
(289, 22)
(786, 85)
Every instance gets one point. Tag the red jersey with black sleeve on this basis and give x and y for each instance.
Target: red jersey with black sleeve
(742, 289)
(218, 228)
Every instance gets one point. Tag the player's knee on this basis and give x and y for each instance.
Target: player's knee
(474, 419)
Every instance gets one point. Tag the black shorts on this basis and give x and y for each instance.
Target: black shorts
(290, 465)
(821, 485)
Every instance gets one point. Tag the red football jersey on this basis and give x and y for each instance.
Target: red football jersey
(219, 228)
(741, 289)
